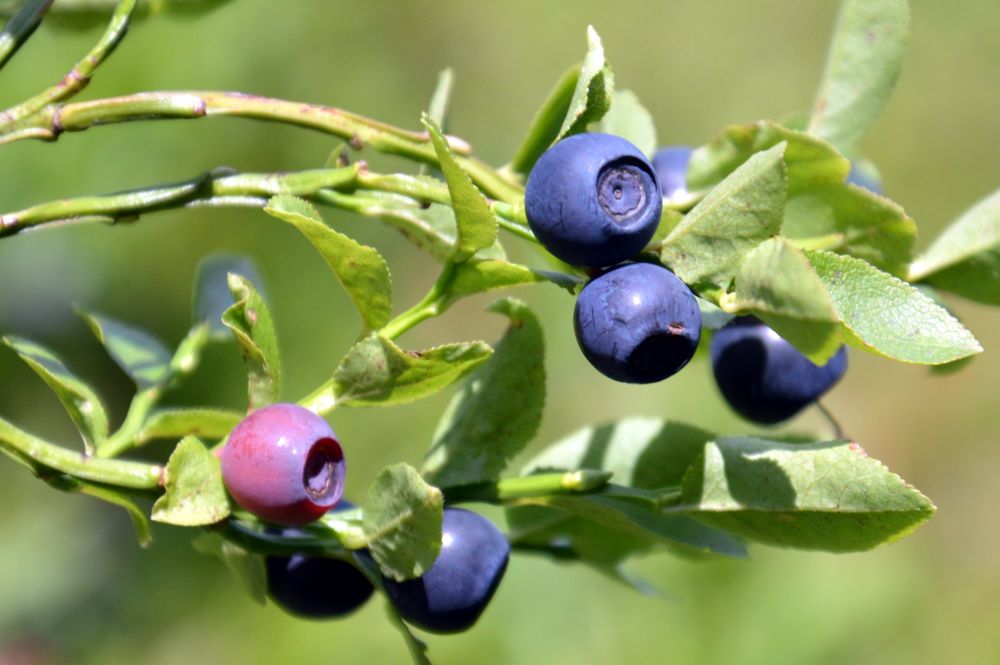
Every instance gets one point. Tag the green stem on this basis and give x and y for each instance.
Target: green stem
(78, 77)
(23, 446)
(20, 27)
(527, 487)
(432, 304)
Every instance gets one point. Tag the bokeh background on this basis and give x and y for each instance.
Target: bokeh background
(75, 588)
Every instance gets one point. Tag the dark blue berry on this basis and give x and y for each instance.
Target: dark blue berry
(593, 200)
(671, 164)
(450, 596)
(284, 464)
(763, 377)
(865, 178)
(637, 323)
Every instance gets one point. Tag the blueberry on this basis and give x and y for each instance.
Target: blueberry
(637, 323)
(450, 596)
(316, 587)
(593, 200)
(866, 178)
(284, 464)
(763, 377)
(671, 165)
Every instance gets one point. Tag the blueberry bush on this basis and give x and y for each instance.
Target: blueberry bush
(771, 243)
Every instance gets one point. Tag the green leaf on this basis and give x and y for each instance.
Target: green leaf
(194, 492)
(250, 322)
(829, 496)
(210, 424)
(810, 161)
(437, 110)
(864, 61)
(477, 227)
(863, 224)
(707, 246)
(594, 89)
(778, 284)
(108, 494)
(360, 269)
(482, 275)
(79, 399)
(498, 411)
(629, 119)
(140, 355)
(545, 126)
(885, 315)
(211, 289)
(965, 258)
(402, 522)
(246, 566)
(376, 372)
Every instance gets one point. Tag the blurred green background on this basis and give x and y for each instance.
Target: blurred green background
(74, 587)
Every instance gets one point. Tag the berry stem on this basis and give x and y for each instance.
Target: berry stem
(527, 487)
(838, 432)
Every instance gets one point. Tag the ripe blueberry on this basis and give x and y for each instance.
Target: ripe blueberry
(284, 464)
(316, 587)
(671, 165)
(593, 200)
(865, 178)
(637, 323)
(450, 596)
(763, 377)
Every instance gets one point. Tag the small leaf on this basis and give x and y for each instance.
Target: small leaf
(706, 248)
(778, 284)
(246, 566)
(482, 275)
(885, 315)
(376, 372)
(140, 355)
(402, 522)
(194, 492)
(250, 322)
(865, 225)
(498, 411)
(829, 496)
(547, 122)
(865, 58)
(79, 399)
(629, 119)
(477, 227)
(361, 270)
(209, 424)
(594, 89)
(211, 289)
(809, 160)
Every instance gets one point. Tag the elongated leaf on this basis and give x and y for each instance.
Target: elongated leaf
(211, 289)
(594, 89)
(376, 372)
(885, 315)
(209, 424)
(250, 322)
(810, 161)
(437, 110)
(865, 58)
(140, 522)
(829, 496)
(629, 119)
(140, 355)
(194, 492)
(402, 522)
(361, 270)
(79, 400)
(706, 248)
(778, 284)
(246, 566)
(547, 122)
(498, 411)
(864, 224)
(479, 276)
(477, 227)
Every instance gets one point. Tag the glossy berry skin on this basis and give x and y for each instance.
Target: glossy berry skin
(763, 377)
(450, 596)
(865, 179)
(593, 200)
(671, 165)
(637, 323)
(316, 587)
(284, 464)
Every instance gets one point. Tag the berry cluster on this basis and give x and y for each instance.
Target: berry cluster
(285, 465)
